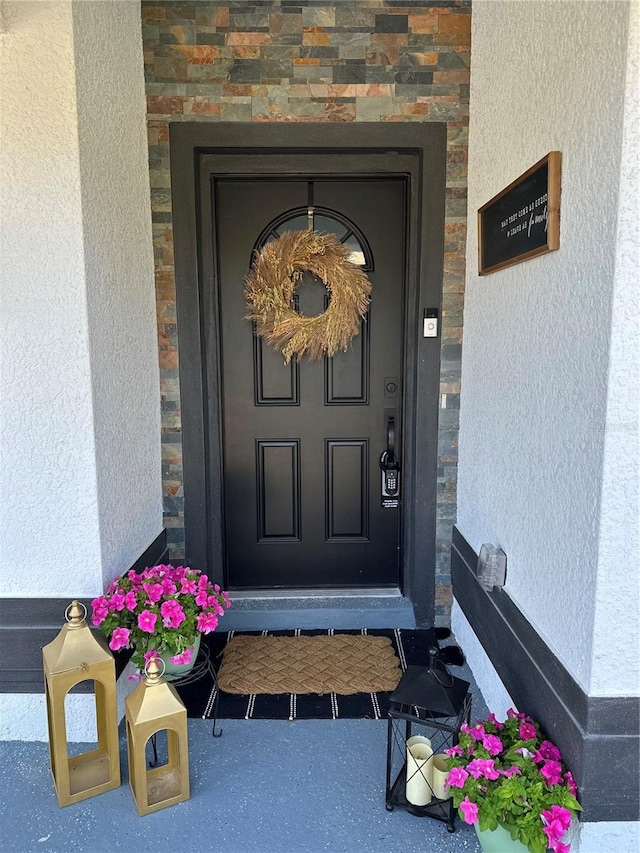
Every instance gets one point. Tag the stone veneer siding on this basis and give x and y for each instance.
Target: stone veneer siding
(294, 60)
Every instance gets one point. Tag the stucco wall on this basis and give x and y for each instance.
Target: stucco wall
(80, 411)
(80, 408)
(537, 335)
(49, 532)
(618, 585)
(118, 253)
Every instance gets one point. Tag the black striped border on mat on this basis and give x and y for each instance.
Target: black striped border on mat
(411, 647)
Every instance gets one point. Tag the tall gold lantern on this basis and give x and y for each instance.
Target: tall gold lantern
(77, 654)
(154, 706)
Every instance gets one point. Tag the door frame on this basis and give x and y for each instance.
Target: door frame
(415, 151)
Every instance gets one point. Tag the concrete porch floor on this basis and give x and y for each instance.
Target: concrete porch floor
(265, 785)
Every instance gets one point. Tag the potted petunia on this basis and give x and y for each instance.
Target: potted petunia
(160, 612)
(510, 783)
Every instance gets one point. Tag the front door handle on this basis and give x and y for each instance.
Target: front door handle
(391, 437)
(390, 468)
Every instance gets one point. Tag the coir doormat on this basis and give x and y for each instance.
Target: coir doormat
(199, 693)
(333, 663)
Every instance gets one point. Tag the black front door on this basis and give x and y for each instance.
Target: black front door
(301, 443)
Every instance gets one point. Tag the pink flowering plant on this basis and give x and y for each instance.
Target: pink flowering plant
(508, 774)
(161, 609)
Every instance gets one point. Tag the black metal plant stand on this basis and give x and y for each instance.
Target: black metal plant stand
(429, 702)
(203, 666)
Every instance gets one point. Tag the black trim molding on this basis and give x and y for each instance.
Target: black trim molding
(598, 735)
(204, 151)
(28, 624)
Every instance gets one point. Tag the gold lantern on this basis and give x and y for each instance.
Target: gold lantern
(77, 654)
(153, 707)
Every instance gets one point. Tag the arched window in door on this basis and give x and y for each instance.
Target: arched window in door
(326, 221)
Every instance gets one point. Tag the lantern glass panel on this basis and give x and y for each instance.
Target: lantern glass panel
(405, 722)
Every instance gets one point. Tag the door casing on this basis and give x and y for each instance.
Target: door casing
(416, 151)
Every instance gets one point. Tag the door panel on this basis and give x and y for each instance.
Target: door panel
(301, 442)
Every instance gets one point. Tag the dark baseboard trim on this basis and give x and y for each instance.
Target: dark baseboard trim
(598, 735)
(28, 624)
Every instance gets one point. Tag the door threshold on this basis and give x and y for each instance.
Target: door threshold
(332, 592)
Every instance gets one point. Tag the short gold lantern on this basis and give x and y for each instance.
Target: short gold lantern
(154, 707)
(77, 654)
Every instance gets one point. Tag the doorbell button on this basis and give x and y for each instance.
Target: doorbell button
(430, 323)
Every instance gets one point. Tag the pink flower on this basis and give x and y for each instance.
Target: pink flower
(183, 658)
(561, 848)
(469, 810)
(554, 832)
(147, 621)
(172, 614)
(548, 750)
(214, 604)
(457, 777)
(152, 654)
(496, 722)
(492, 744)
(100, 610)
(510, 771)
(477, 732)
(154, 591)
(519, 716)
(527, 731)
(571, 784)
(187, 587)
(130, 601)
(562, 815)
(453, 750)
(483, 767)
(168, 586)
(207, 622)
(216, 587)
(551, 772)
(117, 601)
(203, 582)
(202, 598)
(119, 638)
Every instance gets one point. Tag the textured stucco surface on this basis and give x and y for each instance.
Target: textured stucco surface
(617, 616)
(618, 836)
(80, 411)
(49, 536)
(80, 407)
(118, 253)
(23, 716)
(536, 352)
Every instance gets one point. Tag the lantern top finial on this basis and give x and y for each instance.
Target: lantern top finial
(154, 670)
(75, 614)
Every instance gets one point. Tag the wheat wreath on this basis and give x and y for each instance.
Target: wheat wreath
(271, 283)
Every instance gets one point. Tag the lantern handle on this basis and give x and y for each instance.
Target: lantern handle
(73, 618)
(435, 665)
(157, 675)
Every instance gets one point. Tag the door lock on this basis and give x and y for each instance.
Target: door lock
(390, 469)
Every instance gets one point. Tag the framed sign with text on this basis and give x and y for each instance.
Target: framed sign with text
(523, 220)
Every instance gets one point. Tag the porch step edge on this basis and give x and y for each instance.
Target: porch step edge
(260, 614)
